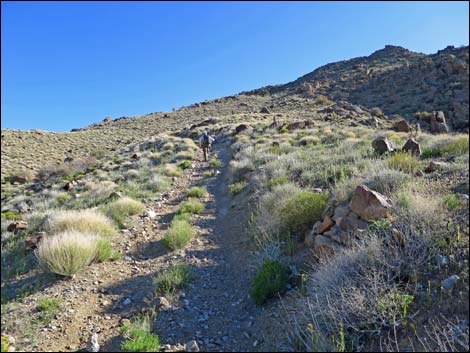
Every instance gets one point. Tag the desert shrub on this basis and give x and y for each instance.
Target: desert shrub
(171, 280)
(303, 209)
(189, 155)
(67, 253)
(86, 221)
(191, 206)
(63, 198)
(270, 281)
(172, 170)
(184, 164)
(309, 140)
(273, 182)
(11, 216)
(48, 308)
(403, 161)
(120, 209)
(423, 115)
(139, 337)
(198, 192)
(158, 183)
(458, 146)
(237, 187)
(178, 234)
(75, 167)
(388, 181)
(214, 162)
(182, 217)
(452, 202)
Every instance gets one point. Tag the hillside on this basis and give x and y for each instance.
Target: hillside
(322, 221)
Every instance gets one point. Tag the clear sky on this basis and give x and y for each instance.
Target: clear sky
(70, 64)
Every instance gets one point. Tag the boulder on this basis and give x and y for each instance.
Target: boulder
(296, 125)
(402, 126)
(92, 343)
(412, 146)
(382, 145)
(351, 222)
(17, 226)
(438, 123)
(33, 241)
(434, 165)
(325, 225)
(339, 235)
(265, 110)
(324, 245)
(369, 204)
(70, 185)
(241, 128)
(340, 211)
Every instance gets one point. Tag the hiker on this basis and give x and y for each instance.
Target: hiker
(205, 142)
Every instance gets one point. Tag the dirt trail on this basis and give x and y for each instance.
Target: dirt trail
(215, 309)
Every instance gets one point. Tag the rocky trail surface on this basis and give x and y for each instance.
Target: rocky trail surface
(215, 310)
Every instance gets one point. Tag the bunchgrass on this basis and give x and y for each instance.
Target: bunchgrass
(120, 209)
(404, 161)
(171, 280)
(85, 221)
(139, 337)
(191, 206)
(271, 280)
(67, 253)
(197, 192)
(178, 235)
(237, 187)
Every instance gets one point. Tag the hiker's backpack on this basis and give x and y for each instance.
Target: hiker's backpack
(205, 140)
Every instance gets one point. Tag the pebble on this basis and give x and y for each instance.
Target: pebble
(192, 346)
(450, 282)
(126, 301)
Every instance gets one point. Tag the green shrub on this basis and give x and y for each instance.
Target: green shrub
(191, 206)
(184, 164)
(277, 181)
(48, 308)
(170, 281)
(270, 280)
(215, 163)
(237, 188)
(139, 337)
(11, 216)
(283, 131)
(182, 217)
(63, 198)
(197, 191)
(178, 235)
(67, 253)
(303, 209)
(459, 146)
(452, 202)
(403, 161)
(120, 209)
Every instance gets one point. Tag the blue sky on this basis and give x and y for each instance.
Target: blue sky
(70, 64)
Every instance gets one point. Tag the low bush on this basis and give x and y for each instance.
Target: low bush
(48, 308)
(171, 280)
(185, 164)
(270, 281)
(120, 209)
(191, 206)
(178, 235)
(67, 253)
(139, 337)
(459, 146)
(403, 161)
(237, 187)
(172, 170)
(214, 162)
(197, 191)
(104, 250)
(273, 182)
(11, 216)
(303, 209)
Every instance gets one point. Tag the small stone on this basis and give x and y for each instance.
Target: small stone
(442, 260)
(192, 346)
(92, 344)
(126, 301)
(450, 282)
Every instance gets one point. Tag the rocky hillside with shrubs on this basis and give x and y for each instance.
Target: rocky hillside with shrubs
(319, 223)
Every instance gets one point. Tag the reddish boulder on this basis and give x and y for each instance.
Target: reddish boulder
(369, 205)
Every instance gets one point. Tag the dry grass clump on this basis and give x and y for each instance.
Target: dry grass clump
(68, 252)
(172, 170)
(85, 221)
(120, 209)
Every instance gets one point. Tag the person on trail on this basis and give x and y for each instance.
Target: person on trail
(205, 142)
